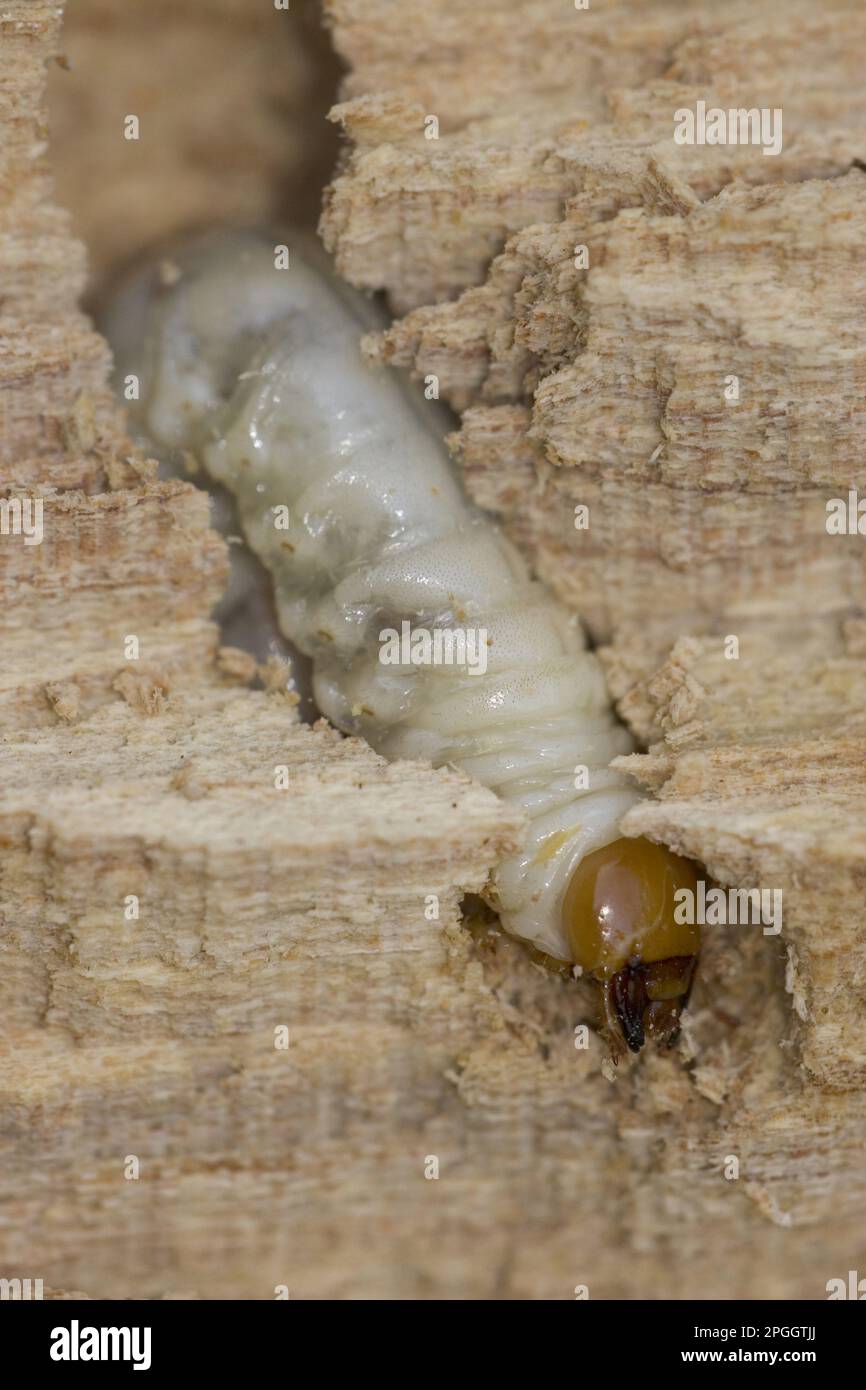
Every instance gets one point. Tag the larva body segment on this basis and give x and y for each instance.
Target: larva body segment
(259, 372)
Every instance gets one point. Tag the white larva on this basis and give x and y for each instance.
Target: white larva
(258, 371)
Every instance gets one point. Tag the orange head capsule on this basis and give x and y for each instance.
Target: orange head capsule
(618, 914)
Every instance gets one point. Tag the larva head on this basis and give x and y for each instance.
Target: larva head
(618, 915)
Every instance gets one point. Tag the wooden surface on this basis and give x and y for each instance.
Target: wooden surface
(604, 387)
(412, 1037)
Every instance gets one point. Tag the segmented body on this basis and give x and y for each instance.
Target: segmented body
(258, 371)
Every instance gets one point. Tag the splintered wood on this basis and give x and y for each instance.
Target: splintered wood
(232, 945)
(661, 389)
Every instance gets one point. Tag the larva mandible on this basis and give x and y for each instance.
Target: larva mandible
(258, 372)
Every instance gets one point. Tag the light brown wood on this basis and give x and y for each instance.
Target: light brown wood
(311, 908)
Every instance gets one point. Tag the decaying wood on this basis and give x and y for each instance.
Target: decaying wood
(332, 871)
(139, 563)
(600, 383)
(581, 107)
(154, 779)
(706, 515)
(308, 907)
